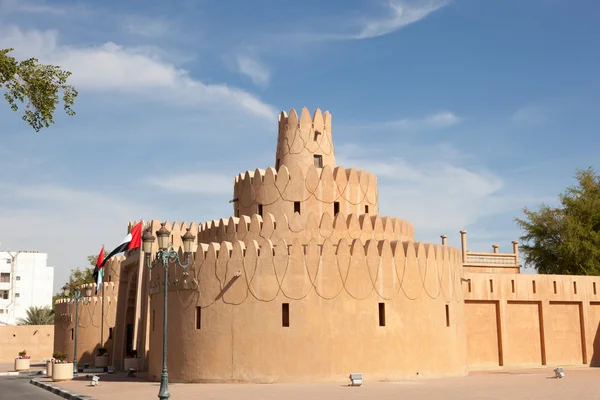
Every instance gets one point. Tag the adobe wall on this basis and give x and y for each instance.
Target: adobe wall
(90, 320)
(333, 292)
(317, 190)
(37, 340)
(300, 138)
(301, 227)
(516, 320)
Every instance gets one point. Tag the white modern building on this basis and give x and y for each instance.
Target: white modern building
(25, 281)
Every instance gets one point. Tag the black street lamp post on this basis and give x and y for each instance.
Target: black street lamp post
(76, 297)
(165, 254)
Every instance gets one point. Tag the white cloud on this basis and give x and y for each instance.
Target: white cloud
(206, 183)
(254, 69)
(401, 13)
(36, 7)
(69, 224)
(114, 68)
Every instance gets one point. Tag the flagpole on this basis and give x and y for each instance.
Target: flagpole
(102, 323)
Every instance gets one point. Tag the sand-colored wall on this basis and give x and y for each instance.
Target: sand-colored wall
(301, 227)
(90, 320)
(317, 190)
(37, 340)
(333, 294)
(516, 320)
(299, 138)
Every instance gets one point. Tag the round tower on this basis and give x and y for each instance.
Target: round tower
(305, 141)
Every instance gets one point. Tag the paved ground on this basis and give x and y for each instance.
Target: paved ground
(579, 383)
(13, 388)
(35, 366)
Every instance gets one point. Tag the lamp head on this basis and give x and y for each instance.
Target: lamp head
(147, 241)
(188, 239)
(163, 235)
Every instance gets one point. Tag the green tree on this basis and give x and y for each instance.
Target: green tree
(566, 239)
(38, 316)
(37, 85)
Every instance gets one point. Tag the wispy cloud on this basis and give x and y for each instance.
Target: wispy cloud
(530, 116)
(115, 68)
(439, 194)
(254, 69)
(146, 26)
(435, 121)
(400, 14)
(206, 183)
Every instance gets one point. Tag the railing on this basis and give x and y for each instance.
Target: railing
(491, 259)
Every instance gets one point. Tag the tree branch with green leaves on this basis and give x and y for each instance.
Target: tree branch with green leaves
(38, 86)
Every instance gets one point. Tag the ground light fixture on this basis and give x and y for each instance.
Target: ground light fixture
(165, 255)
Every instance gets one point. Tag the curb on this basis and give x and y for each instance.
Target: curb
(65, 394)
(15, 373)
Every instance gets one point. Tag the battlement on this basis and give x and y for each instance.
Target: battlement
(390, 269)
(316, 190)
(301, 139)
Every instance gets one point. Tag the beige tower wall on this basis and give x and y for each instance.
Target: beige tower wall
(90, 320)
(333, 292)
(316, 189)
(299, 139)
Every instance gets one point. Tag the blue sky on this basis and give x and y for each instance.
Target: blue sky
(467, 110)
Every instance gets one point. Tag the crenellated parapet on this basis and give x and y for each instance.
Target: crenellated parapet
(386, 268)
(305, 189)
(306, 227)
(301, 139)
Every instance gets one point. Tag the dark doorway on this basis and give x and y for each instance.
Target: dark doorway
(129, 344)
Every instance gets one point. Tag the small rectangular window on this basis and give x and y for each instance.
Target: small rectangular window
(198, 317)
(381, 314)
(17, 295)
(318, 161)
(4, 277)
(336, 208)
(447, 315)
(2, 311)
(512, 283)
(18, 278)
(554, 284)
(260, 210)
(574, 287)
(297, 207)
(366, 209)
(533, 286)
(491, 286)
(285, 315)
(277, 165)
(594, 286)
(110, 333)
(109, 277)
(153, 319)
(469, 285)
(72, 334)
(5, 295)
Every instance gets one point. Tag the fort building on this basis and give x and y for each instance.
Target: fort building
(306, 281)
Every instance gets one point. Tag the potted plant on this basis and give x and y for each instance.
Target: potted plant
(101, 360)
(62, 369)
(131, 361)
(22, 361)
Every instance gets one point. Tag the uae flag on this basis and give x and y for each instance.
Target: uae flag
(98, 270)
(133, 240)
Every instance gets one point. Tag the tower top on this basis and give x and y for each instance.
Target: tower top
(305, 140)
